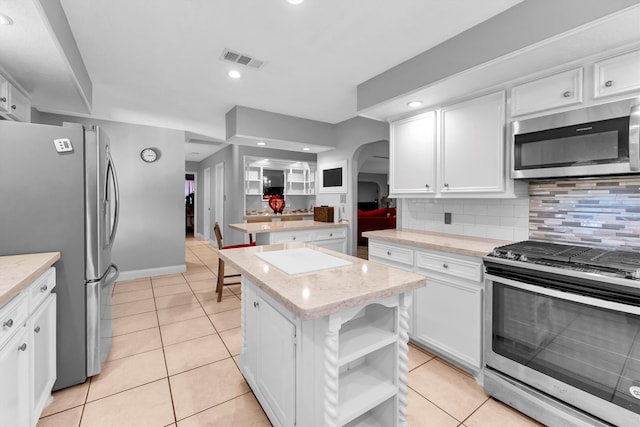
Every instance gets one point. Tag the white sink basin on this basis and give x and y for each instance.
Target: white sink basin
(301, 260)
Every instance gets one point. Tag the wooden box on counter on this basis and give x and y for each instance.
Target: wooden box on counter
(323, 213)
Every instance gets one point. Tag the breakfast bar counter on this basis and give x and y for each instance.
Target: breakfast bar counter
(324, 335)
(326, 234)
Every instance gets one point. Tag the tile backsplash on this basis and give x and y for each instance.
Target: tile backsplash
(505, 219)
(594, 212)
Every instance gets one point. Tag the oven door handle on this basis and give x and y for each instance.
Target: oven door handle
(570, 296)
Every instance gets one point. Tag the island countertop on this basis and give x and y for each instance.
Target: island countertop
(261, 214)
(18, 271)
(452, 243)
(323, 292)
(269, 227)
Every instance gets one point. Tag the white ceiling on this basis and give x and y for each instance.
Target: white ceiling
(156, 62)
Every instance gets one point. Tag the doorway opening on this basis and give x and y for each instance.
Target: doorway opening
(189, 203)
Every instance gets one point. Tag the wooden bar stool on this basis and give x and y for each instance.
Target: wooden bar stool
(221, 274)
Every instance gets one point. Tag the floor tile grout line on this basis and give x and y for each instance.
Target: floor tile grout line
(217, 404)
(435, 404)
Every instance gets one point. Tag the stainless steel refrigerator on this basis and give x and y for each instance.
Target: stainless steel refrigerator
(59, 192)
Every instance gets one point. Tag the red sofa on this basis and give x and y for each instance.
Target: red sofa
(377, 219)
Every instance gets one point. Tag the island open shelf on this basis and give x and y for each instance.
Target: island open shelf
(327, 347)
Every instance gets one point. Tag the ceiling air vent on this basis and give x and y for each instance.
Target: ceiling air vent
(242, 59)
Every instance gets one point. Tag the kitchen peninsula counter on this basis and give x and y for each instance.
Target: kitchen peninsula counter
(452, 243)
(326, 234)
(18, 271)
(271, 215)
(327, 346)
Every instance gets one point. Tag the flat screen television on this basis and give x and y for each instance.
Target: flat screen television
(332, 177)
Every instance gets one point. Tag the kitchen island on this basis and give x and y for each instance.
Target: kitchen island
(324, 335)
(326, 234)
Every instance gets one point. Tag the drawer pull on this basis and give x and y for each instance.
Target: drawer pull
(8, 323)
(3, 99)
(294, 238)
(426, 186)
(23, 347)
(37, 329)
(330, 234)
(566, 94)
(44, 288)
(608, 83)
(389, 253)
(13, 107)
(445, 265)
(256, 304)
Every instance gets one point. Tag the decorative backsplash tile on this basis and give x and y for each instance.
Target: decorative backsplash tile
(594, 212)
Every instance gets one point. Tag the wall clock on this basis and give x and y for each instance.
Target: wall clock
(149, 155)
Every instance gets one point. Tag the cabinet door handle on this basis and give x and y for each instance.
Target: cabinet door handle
(44, 288)
(426, 186)
(294, 237)
(256, 304)
(566, 94)
(3, 99)
(445, 265)
(37, 329)
(388, 253)
(23, 347)
(330, 234)
(446, 185)
(608, 83)
(13, 107)
(8, 323)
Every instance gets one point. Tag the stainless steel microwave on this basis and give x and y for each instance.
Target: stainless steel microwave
(594, 141)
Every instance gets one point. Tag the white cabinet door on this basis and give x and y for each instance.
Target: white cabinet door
(617, 75)
(472, 146)
(448, 319)
(412, 166)
(276, 377)
(249, 351)
(20, 106)
(559, 90)
(338, 245)
(15, 381)
(42, 326)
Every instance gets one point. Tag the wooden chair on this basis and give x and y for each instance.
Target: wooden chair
(221, 275)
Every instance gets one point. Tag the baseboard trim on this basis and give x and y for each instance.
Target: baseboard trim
(151, 272)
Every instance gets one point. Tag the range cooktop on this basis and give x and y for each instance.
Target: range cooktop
(625, 264)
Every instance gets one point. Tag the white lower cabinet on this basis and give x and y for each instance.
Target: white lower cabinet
(447, 313)
(28, 352)
(344, 369)
(334, 238)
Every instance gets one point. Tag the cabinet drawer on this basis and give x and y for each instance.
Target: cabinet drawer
(455, 267)
(340, 233)
(12, 316)
(391, 253)
(291, 236)
(41, 287)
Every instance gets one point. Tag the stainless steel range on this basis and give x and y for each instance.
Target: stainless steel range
(562, 333)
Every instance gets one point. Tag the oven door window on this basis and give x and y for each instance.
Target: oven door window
(594, 349)
(596, 143)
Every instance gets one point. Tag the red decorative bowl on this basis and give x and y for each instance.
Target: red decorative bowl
(277, 204)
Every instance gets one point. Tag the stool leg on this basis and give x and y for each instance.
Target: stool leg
(220, 279)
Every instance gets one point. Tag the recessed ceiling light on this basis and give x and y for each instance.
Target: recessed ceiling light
(262, 143)
(5, 20)
(234, 74)
(414, 104)
(295, 1)
(306, 149)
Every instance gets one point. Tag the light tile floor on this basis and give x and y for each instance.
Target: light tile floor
(175, 355)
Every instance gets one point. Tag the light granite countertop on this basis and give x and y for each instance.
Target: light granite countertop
(452, 243)
(268, 227)
(323, 292)
(18, 271)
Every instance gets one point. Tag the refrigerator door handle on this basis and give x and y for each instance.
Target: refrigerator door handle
(98, 320)
(111, 170)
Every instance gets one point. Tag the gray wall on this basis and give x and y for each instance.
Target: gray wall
(233, 159)
(151, 232)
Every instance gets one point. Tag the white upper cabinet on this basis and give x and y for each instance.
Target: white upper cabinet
(472, 146)
(13, 103)
(559, 90)
(617, 75)
(413, 155)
